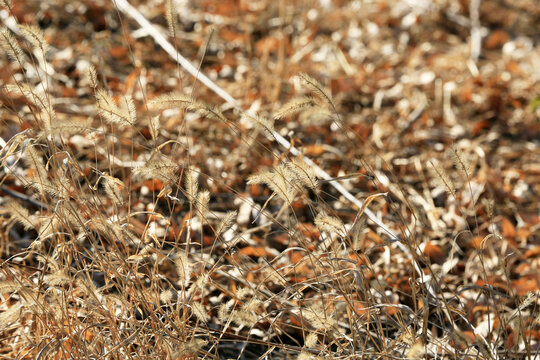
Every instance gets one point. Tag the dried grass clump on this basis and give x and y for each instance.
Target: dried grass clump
(128, 232)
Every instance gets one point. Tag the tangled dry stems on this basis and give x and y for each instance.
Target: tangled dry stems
(100, 274)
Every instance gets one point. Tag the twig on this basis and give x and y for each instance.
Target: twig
(476, 34)
(23, 197)
(415, 115)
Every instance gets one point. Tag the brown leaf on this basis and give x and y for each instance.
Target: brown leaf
(496, 39)
(533, 252)
(313, 150)
(256, 251)
(309, 230)
(118, 52)
(524, 285)
(434, 253)
(507, 228)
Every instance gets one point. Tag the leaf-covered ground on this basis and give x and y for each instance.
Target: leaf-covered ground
(143, 215)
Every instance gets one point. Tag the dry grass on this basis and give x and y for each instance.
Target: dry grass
(160, 227)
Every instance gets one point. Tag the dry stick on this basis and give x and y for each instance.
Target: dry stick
(124, 6)
(476, 30)
(24, 197)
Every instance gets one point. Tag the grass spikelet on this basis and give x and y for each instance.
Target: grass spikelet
(166, 296)
(311, 340)
(295, 106)
(122, 115)
(13, 145)
(128, 105)
(304, 355)
(183, 269)
(416, 351)
(34, 35)
(10, 45)
(48, 117)
(54, 190)
(87, 286)
(209, 112)
(154, 128)
(317, 316)
(114, 188)
(261, 123)
(34, 159)
(146, 251)
(191, 184)
(316, 115)
(203, 199)
(243, 293)
(329, 224)
(444, 178)
(39, 179)
(59, 278)
(277, 181)
(199, 312)
(170, 15)
(189, 349)
(489, 207)
(201, 283)
(92, 76)
(252, 305)
(49, 261)
(244, 318)
(159, 167)
(21, 215)
(273, 275)
(66, 128)
(101, 224)
(11, 315)
(9, 287)
(36, 98)
(170, 101)
(303, 173)
(176, 100)
(196, 344)
(318, 89)
(245, 315)
(223, 313)
(48, 227)
(460, 162)
(226, 223)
